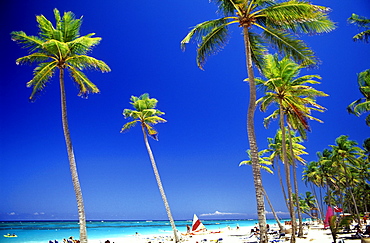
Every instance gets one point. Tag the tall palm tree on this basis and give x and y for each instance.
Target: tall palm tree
(147, 115)
(295, 99)
(62, 48)
(263, 22)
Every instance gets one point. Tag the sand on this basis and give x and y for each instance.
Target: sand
(313, 234)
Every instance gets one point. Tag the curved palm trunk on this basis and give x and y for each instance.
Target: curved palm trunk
(281, 227)
(159, 182)
(72, 162)
(287, 176)
(253, 141)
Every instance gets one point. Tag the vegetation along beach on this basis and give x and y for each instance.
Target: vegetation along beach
(185, 121)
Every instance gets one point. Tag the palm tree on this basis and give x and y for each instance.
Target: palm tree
(361, 105)
(312, 174)
(308, 203)
(295, 100)
(147, 115)
(62, 48)
(263, 22)
(345, 156)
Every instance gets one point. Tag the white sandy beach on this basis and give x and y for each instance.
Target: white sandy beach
(314, 234)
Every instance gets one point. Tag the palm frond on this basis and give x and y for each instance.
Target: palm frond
(360, 21)
(211, 44)
(258, 49)
(86, 62)
(85, 86)
(265, 101)
(267, 120)
(289, 45)
(128, 113)
(367, 120)
(155, 120)
(70, 26)
(151, 131)
(201, 30)
(42, 74)
(362, 107)
(226, 7)
(58, 49)
(33, 43)
(84, 44)
(298, 16)
(362, 36)
(128, 125)
(46, 28)
(34, 57)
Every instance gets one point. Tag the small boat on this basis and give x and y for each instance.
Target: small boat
(10, 236)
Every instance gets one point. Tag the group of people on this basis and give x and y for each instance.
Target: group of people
(360, 232)
(69, 240)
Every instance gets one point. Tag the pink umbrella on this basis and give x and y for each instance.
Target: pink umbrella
(329, 213)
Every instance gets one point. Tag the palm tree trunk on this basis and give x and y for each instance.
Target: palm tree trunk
(300, 231)
(281, 227)
(253, 141)
(287, 176)
(72, 162)
(161, 190)
(282, 185)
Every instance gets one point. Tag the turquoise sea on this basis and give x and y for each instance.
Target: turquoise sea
(43, 231)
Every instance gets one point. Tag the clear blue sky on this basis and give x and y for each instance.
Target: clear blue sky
(200, 146)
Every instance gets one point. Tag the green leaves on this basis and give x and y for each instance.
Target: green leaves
(363, 23)
(42, 74)
(144, 113)
(362, 105)
(210, 36)
(60, 47)
(33, 43)
(290, 46)
(291, 93)
(279, 22)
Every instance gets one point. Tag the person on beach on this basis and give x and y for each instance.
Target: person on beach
(367, 230)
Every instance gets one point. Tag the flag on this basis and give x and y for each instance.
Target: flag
(338, 209)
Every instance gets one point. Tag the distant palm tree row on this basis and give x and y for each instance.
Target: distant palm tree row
(265, 24)
(343, 171)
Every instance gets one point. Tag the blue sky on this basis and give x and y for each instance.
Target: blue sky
(200, 146)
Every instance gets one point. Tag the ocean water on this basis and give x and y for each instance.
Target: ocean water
(43, 231)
